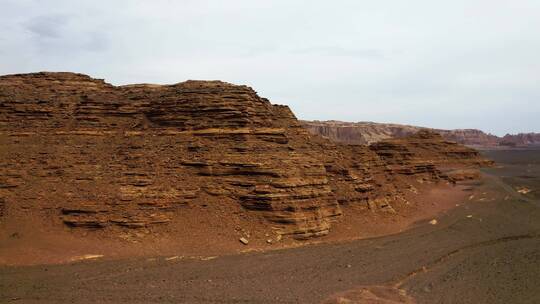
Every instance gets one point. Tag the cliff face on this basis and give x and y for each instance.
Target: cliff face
(369, 132)
(132, 156)
(85, 154)
(471, 137)
(362, 133)
(427, 147)
(521, 139)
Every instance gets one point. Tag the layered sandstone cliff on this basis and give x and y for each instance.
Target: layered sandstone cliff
(370, 132)
(79, 152)
(361, 133)
(521, 140)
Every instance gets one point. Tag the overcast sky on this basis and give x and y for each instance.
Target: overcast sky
(442, 64)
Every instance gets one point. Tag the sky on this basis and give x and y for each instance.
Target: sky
(441, 64)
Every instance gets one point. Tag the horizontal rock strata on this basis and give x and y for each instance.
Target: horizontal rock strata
(96, 156)
(371, 132)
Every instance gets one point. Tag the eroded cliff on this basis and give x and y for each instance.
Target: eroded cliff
(370, 132)
(87, 155)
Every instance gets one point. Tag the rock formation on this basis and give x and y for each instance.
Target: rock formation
(89, 155)
(427, 151)
(370, 132)
(360, 133)
(520, 140)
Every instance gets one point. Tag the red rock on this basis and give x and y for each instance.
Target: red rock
(132, 157)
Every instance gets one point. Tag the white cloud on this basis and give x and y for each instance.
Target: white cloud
(453, 64)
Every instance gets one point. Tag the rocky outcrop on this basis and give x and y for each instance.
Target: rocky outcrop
(370, 132)
(90, 155)
(134, 156)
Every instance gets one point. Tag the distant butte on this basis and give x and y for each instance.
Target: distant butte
(81, 155)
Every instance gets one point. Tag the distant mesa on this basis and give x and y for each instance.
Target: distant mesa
(370, 132)
(84, 155)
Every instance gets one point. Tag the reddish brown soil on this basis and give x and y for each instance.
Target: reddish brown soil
(208, 236)
(430, 203)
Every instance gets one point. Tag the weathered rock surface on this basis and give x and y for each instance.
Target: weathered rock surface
(94, 156)
(134, 156)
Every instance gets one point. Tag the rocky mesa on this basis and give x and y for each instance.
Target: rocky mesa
(79, 154)
(371, 132)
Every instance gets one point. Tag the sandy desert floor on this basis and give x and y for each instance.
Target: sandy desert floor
(485, 250)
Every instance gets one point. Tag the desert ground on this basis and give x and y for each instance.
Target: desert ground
(485, 250)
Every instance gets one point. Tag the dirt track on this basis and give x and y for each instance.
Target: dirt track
(487, 250)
